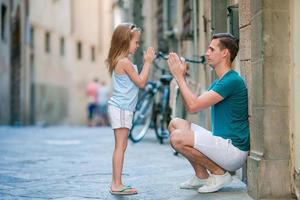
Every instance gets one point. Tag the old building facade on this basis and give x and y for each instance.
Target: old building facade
(269, 61)
(70, 46)
(50, 51)
(49, 87)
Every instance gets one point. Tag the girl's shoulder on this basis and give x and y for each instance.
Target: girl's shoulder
(122, 64)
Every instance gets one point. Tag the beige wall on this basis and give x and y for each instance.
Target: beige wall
(52, 15)
(92, 26)
(87, 20)
(63, 79)
(296, 84)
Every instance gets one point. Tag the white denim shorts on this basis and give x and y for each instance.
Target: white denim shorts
(119, 118)
(218, 149)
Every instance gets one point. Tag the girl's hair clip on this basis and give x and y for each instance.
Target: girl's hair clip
(135, 28)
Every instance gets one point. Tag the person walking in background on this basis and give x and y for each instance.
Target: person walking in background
(102, 100)
(213, 153)
(91, 92)
(125, 87)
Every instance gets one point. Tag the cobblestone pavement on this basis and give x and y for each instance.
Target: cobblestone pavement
(75, 163)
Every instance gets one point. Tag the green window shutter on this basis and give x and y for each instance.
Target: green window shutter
(218, 16)
(233, 20)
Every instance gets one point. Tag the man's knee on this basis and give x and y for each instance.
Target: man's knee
(172, 124)
(176, 138)
(178, 123)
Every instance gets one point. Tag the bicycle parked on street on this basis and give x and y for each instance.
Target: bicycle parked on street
(153, 110)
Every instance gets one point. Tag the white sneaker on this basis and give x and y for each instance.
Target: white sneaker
(193, 183)
(215, 182)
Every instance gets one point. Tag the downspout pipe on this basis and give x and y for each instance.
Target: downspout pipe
(195, 38)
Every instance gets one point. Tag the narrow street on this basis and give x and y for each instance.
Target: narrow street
(75, 163)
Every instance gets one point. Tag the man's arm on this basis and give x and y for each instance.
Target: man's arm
(191, 101)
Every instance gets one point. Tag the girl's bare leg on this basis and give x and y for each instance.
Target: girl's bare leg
(121, 140)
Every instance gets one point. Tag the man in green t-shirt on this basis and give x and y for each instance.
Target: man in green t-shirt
(213, 153)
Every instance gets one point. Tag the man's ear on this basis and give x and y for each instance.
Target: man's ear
(225, 53)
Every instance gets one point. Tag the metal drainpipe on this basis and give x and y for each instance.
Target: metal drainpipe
(195, 40)
(196, 68)
(165, 16)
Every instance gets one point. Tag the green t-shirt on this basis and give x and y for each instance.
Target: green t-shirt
(230, 116)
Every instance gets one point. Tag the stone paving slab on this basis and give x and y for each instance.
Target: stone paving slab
(75, 163)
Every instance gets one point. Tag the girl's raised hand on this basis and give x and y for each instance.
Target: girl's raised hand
(149, 55)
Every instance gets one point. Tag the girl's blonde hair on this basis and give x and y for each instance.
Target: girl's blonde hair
(119, 46)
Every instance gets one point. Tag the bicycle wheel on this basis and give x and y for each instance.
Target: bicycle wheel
(161, 124)
(163, 113)
(141, 119)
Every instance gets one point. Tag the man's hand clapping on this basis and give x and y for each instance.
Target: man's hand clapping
(176, 66)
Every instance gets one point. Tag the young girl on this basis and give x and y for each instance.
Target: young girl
(126, 83)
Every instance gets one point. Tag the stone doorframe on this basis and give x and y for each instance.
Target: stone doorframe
(266, 54)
